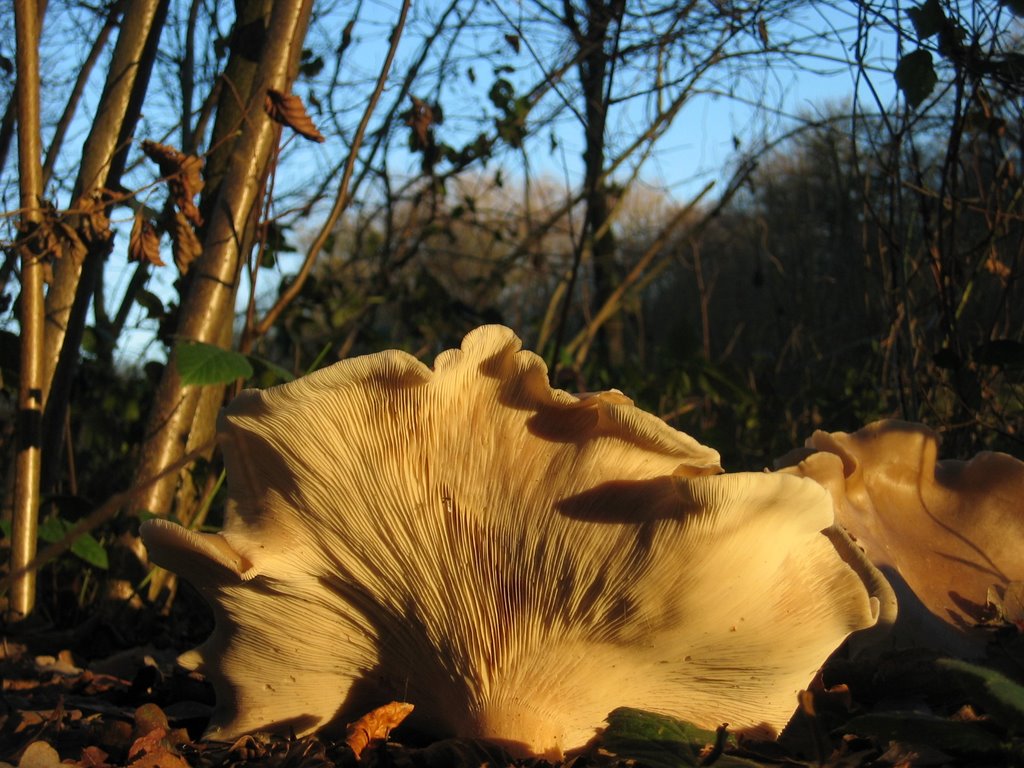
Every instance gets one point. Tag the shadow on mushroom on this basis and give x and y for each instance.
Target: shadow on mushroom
(514, 561)
(943, 532)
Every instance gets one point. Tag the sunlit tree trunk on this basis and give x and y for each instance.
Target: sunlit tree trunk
(33, 251)
(209, 298)
(103, 161)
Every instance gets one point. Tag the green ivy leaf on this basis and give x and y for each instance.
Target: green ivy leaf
(953, 736)
(659, 741)
(915, 76)
(1000, 696)
(86, 546)
(201, 364)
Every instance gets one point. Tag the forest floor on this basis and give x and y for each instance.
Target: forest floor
(108, 693)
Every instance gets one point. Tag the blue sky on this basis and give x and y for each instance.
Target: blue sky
(740, 112)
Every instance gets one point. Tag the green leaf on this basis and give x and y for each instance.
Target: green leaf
(200, 364)
(91, 551)
(952, 736)
(85, 546)
(915, 76)
(1001, 697)
(659, 741)
(928, 18)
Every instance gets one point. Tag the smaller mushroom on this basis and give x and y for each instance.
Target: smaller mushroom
(943, 532)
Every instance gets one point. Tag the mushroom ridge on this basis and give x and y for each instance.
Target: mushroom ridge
(514, 561)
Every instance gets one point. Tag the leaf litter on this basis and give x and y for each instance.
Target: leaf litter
(135, 708)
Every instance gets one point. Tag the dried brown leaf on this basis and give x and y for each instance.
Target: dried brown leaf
(71, 244)
(186, 245)
(159, 758)
(184, 176)
(93, 757)
(375, 725)
(94, 223)
(151, 741)
(997, 267)
(288, 109)
(420, 118)
(144, 242)
(41, 241)
(346, 37)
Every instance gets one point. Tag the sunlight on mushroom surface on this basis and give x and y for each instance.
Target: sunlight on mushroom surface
(944, 533)
(513, 560)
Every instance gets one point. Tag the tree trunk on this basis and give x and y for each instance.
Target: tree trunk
(596, 71)
(103, 161)
(25, 519)
(209, 298)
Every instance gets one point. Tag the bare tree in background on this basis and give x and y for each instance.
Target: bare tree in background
(946, 205)
(444, 164)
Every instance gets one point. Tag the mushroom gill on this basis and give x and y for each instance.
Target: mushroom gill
(944, 533)
(513, 560)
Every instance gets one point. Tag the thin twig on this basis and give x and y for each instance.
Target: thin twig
(342, 199)
(581, 344)
(106, 511)
(84, 74)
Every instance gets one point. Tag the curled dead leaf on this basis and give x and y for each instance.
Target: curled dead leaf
(52, 238)
(144, 242)
(93, 222)
(420, 118)
(71, 244)
(184, 176)
(186, 245)
(93, 757)
(376, 725)
(152, 741)
(151, 751)
(288, 109)
(997, 267)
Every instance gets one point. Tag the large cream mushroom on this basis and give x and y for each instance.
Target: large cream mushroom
(947, 534)
(514, 561)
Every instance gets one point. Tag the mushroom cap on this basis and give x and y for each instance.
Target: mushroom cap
(514, 561)
(942, 532)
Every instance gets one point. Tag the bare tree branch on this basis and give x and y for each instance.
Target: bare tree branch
(341, 200)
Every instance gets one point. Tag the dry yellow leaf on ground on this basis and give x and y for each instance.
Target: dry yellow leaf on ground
(376, 724)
